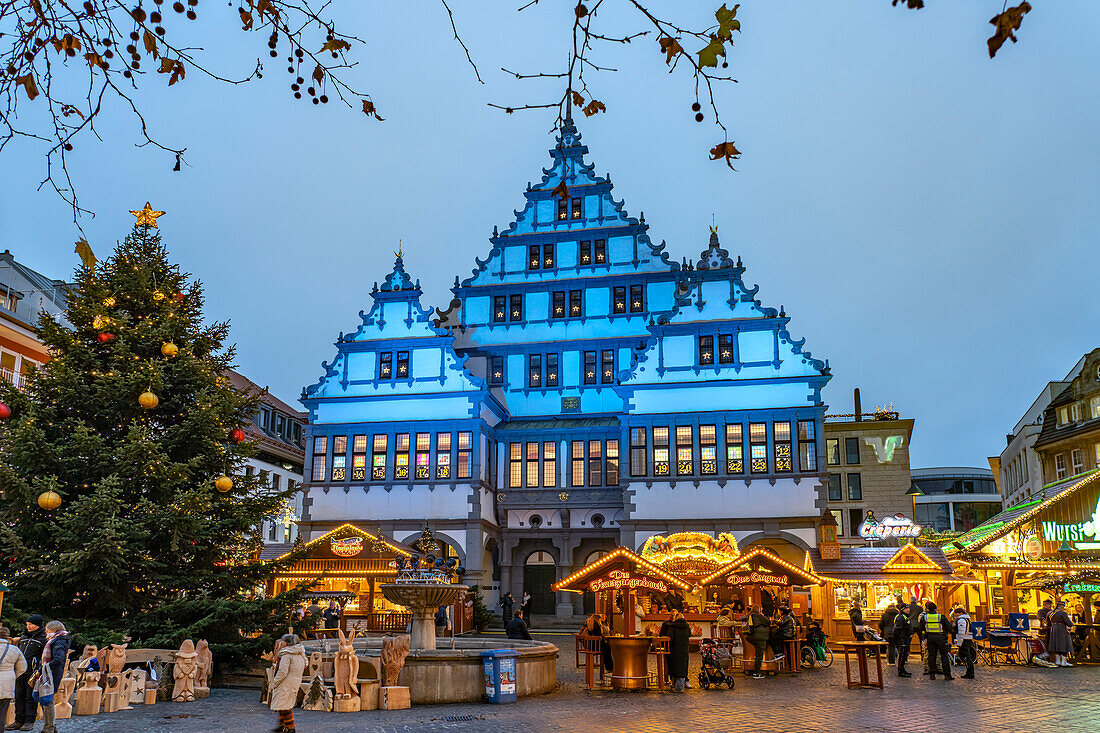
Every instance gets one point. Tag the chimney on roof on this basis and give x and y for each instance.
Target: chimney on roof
(858, 406)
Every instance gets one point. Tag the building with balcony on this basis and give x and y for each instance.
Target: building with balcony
(24, 294)
(583, 390)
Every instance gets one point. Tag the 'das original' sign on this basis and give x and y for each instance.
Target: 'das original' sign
(757, 577)
(895, 526)
(622, 579)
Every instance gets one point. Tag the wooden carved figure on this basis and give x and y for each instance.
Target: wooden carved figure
(184, 671)
(317, 696)
(202, 674)
(346, 668)
(116, 659)
(394, 651)
(77, 666)
(89, 697)
(126, 690)
(62, 708)
(137, 686)
(111, 701)
(314, 668)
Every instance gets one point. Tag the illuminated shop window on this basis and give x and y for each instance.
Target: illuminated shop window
(685, 462)
(781, 437)
(589, 376)
(500, 309)
(551, 370)
(708, 449)
(557, 304)
(423, 455)
(706, 350)
(735, 450)
(401, 456)
(637, 452)
(618, 299)
(515, 465)
(359, 458)
(576, 469)
(320, 461)
(442, 455)
(725, 348)
(378, 458)
(595, 462)
(807, 446)
(339, 457)
(660, 452)
(758, 445)
(532, 465)
(611, 463)
(464, 452)
(549, 464)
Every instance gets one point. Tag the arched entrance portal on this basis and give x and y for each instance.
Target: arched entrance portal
(538, 575)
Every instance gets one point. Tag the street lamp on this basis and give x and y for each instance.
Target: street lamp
(1065, 551)
(914, 491)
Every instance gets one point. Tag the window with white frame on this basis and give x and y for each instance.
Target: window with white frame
(1060, 466)
(1077, 457)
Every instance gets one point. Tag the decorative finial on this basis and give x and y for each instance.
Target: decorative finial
(400, 252)
(146, 217)
(713, 226)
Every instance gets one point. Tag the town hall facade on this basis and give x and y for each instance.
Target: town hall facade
(583, 390)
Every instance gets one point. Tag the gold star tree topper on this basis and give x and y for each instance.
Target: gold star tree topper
(147, 217)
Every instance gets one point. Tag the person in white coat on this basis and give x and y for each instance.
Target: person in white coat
(290, 665)
(12, 665)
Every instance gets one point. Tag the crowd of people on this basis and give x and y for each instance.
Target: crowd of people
(30, 669)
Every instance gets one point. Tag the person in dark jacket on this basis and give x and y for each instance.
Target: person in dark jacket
(902, 635)
(915, 611)
(679, 634)
(785, 629)
(855, 613)
(506, 604)
(516, 628)
(886, 628)
(594, 627)
(55, 654)
(1061, 643)
(331, 616)
(935, 627)
(31, 644)
(758, 628)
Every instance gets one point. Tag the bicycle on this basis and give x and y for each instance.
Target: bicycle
(814, 655)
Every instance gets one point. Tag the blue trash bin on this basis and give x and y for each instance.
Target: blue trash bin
(500, 675)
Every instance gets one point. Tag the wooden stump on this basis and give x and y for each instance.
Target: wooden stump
(137, 686)
(393, 698)
(348, 704)
(111, 702)
(88, 701)
(201, 692)
(368, 695)
(150, 696)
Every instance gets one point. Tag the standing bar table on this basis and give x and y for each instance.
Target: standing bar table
(861, 648)
(631, 655)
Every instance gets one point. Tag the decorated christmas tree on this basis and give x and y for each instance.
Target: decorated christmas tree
(125, 509)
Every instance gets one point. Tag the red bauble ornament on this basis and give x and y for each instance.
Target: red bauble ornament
(5, 411)
(179, 297)
(236, 435)
(105, 337)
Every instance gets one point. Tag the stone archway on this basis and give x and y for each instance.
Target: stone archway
(540, 571)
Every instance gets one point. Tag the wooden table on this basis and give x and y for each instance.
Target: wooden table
(861, 648)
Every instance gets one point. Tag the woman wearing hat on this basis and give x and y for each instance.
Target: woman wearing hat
(1060, 642)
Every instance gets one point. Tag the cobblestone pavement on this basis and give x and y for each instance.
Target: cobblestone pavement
(1004, 699)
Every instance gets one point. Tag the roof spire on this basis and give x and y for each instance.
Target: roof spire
(714, 257)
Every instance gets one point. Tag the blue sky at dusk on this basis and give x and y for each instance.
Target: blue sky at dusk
(927, 216)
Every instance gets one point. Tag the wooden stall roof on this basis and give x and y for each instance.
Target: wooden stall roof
(1058, 582)
(761, 555)
(345, 530)
(1001, 524)
(620, 557)
(908, 562)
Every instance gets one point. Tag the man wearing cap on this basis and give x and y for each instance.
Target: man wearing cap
(935, 627)
(31, 644)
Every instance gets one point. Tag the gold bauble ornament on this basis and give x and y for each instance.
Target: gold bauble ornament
(109, 302)
(99, 322)
(49, 500)
(157, 295)
(223, 483)
(148, 400)
(169, 349)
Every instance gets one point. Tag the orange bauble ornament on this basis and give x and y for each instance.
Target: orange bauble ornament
(236, 435)
(223, 483)
(105, 337)
(169, 349)
(49, 500)
(148, 400)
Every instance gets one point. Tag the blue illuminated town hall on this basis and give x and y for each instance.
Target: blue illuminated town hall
(583, 390)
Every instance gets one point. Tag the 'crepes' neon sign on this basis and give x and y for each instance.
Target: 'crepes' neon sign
(895, 526)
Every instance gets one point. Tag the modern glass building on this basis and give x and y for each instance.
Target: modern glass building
(584, 389)
(955, 499)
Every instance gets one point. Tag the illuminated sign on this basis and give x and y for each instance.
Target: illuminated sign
(1033, 548)
(1088, 530)
(1081, 588)
(895, 526)
(884, 448)
(757, 577)
(346, 546)
(617, 579)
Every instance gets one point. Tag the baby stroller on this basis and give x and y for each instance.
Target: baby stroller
(717, 662)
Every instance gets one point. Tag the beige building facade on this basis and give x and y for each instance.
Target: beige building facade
(1069, 443)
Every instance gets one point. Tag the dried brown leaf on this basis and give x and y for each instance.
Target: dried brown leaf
(1006, 23)
(726, 150)
(578, 100)
(594, 107)
(150, 42)
(671, 48)
(368, 109)
(560, 191)
(27, 82)
(336, 44)
(318, 74)
(246, 19)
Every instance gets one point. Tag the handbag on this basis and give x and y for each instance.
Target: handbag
(860, 629)
(43, 686)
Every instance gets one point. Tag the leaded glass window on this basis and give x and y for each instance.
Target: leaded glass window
(577, 209)
(708, 449)
(551, 370)
(339, 457)
(547, 256)
(576, 470)
(549, 464)
(758, 447)
(576, 304)
(735, 455)
(423, 455)
(660, 452)
(685, 461)
(496, 370)
(595, 464)
(534, 370)
(500, 309)
(589, 367)
(515, 465)
(563, 209)
(378, 458)
(401, 456)
(359, 458)
(807, 446)
(515, 308)
(532, 465)
(706, 350)
(725, 348)
(637, 299)
(611, 463)
(533, 257)
(402, 364)
(637, 452)
(607, 366)
(464, 452)
(385, 366)
(320, 459)
(781, 439)
(442, 455)
(586, 252)
(557, 304)
(600, 254)
(618, 299)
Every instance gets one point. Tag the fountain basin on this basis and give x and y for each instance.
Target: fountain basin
(423, 600)
(439, 676)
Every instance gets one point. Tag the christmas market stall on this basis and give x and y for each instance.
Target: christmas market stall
(348, 564)
(690, 556)
(1015, 553)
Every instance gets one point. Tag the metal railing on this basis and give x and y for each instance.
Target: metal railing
(13, 377)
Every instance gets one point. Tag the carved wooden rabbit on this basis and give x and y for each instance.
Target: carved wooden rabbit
(346, 668)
